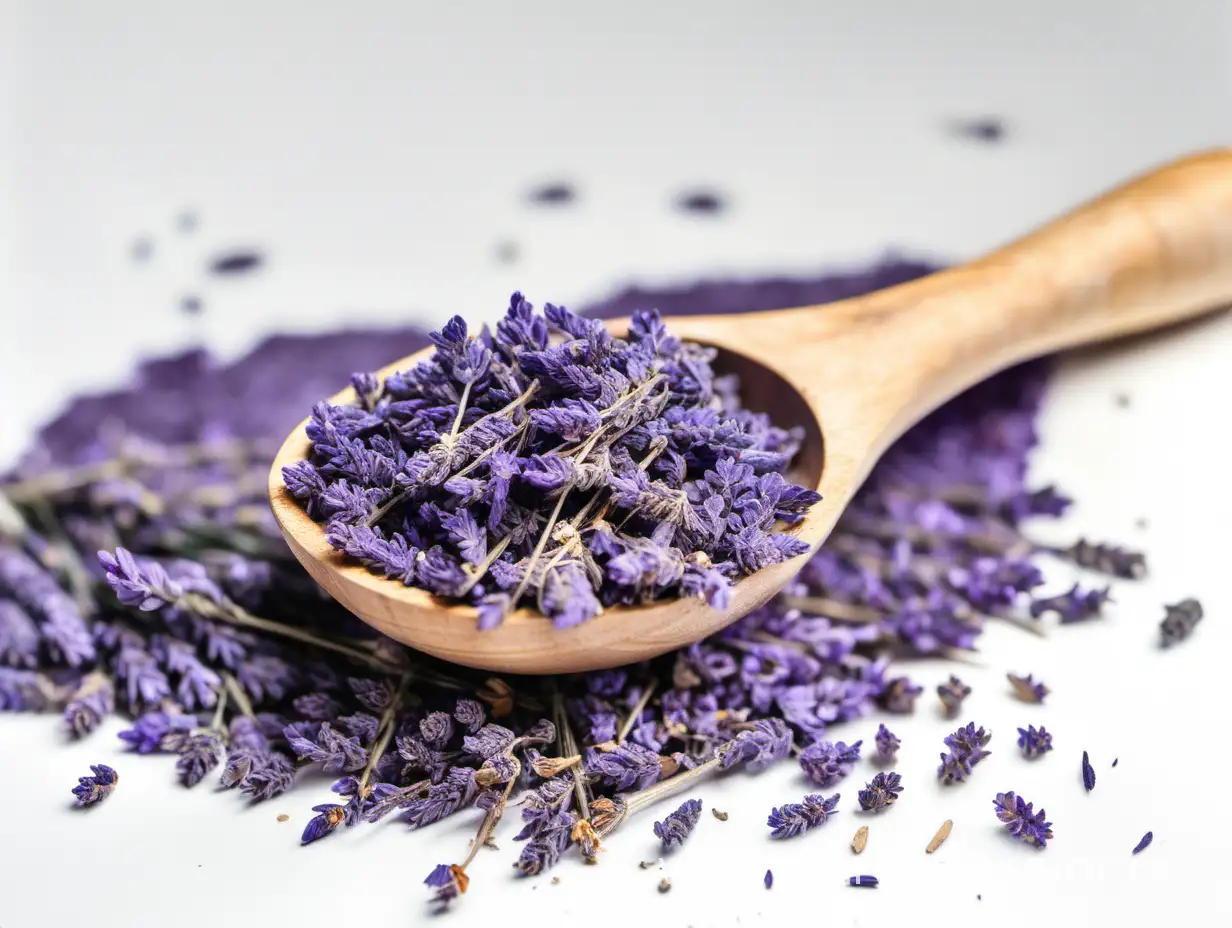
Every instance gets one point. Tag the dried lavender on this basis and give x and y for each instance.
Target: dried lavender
(1106, 559)
(701, 201)
(1075, 605)
(547, 464)
(825, 762)
(556, 193)
(236, 262)
(1034, 742)
(173, 469)
(1179, 621)
(95, 788)
(1026, 688)
(768, 879)
(1088, 773)
(795, 818)
(1145, 842)
(869, 882)
(676, 827)
(880, 792)
(1021, 820)
(966, 749)
(952, 693)
(887, 744)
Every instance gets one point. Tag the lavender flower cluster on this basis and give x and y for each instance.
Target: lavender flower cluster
(551, 465)
(199, 627)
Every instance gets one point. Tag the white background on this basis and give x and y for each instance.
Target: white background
(382, 154)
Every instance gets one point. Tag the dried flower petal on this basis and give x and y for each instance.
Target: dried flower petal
(1145, 842)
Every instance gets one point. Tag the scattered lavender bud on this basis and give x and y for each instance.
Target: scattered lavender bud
(700, 201)
(236, 262)
(987, 129)
(96, 787)
(869, 882)
(1026, 689)
(1115, 760)
(825, 762)
(1107, 559)
(899, 695)
(665, 884)
(795, 818)
(1034, 742)
(952, 693)
(966, 750)
(1021, 820)
(768, 880)
(887, 744)
(676, 827)
(1145, 842)
(1088, 773)
(1076, 605)
(880, 792)
(557, 193)
(329, 817)
(1179, 621)
(721, 816)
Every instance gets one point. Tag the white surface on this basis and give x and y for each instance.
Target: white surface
(381, 155)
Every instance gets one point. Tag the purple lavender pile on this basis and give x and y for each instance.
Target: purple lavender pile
(547, 464)
(227, 658)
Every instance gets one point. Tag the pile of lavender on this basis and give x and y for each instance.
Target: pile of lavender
(551, 465)
(198, 626)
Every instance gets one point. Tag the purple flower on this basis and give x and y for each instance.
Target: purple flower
(1021, 820)
(899, 695)
(1076, 605)
(551, 841)
(795, 818)
(628, 766)
(1108, 559)
(880, 792)
(469, 714)
(456, 790)
(1145, 842)
(92, 701)
(1179, 622)
(1034, 742)
(97, 787)
(150, 730)
(768, 879)
(952, 693)
(887, 744)
(676, 827)
(767, 741)
(329, 816)
(966, 750)
(1088, 773)
(335, 751)
(1027, 689)
(490, 739)
(440, 876)
(203, 752)
(825, 763)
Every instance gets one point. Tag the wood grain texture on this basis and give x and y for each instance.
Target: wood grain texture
(855, 375)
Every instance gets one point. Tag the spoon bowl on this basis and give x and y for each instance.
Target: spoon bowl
(854, 375)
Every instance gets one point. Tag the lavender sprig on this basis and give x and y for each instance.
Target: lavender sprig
(1022, 821)
(795, 818)
(677, 826)
(93, 789)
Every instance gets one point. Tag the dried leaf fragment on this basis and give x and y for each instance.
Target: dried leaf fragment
(721, 816)
(860, 841)
(939, 838)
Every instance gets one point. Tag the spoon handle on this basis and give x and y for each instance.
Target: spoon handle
(1154, 251)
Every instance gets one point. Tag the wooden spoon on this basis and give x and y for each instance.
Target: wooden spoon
(855, 375)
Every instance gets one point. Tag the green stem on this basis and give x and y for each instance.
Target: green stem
(241, 699)
(385, 733)
(636, 712)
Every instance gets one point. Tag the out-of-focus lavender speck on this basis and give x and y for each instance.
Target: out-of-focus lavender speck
(555, 193)
(240, 261)
(704, 202)
(986, 129)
